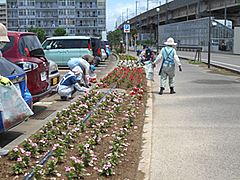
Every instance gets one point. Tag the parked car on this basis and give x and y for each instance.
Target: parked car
(96, 47)
(25, 50)
(19, 78)
(60, 49)
(54, 74)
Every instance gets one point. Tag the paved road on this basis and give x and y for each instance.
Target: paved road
(46, 109)
(221, 59)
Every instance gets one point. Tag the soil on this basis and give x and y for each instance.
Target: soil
(125, 169)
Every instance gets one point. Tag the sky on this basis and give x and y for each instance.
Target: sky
(116, 9)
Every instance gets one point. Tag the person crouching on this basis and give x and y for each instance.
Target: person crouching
(69, 85)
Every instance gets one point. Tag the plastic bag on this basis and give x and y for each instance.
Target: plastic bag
(150, 73)
(14, 108)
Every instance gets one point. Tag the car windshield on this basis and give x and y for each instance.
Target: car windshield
(29, 44)
(7, 68)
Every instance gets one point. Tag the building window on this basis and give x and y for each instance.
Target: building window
(21, 3)
(22, 22)
(30, 3)
(80, 5)
(72, 31)
(62, 22)
(31, 22)
(22, 13)
(61, 3)
(71, 22)
(70, 12)
(62, 12)
(70, 3)
(31, 12)
(101, 2)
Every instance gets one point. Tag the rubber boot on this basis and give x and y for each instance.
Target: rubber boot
(161, 90)
(172, 90)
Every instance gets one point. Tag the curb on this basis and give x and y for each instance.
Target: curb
(146, 149)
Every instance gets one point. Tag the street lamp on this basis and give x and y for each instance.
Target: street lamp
(158, 10)
(187, 9)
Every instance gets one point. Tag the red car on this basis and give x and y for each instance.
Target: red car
(25, 50)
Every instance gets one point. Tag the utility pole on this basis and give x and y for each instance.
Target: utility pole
(209, 35)
(225, 14)
(166, 12)
(148, 20)
(147, 13)
(187, 9)
(199, 1)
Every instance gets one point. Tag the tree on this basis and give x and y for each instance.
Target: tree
(39, 31)
(114, 37)
(133, 31)
(59, 32)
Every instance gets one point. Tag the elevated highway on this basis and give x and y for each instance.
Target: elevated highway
(183, 10)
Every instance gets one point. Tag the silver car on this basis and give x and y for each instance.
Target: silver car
(54, 75)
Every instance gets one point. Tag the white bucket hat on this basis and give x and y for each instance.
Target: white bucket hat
(76, 70)
(3, 33)
(170, 41)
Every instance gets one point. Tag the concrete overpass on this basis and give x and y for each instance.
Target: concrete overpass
(183, 10)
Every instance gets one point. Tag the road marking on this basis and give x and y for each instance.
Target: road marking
(222, 56)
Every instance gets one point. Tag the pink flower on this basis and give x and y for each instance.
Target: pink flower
(28, 153)
(110, 147)
(105, 167)
(67, 169)
(19, 159)
(96, 168)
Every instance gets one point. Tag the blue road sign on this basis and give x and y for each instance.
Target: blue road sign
(126, 28)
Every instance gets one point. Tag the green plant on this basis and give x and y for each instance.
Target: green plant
(39, 172)
(18, 167)
(59, 152)
(51, 166)
(106, 168)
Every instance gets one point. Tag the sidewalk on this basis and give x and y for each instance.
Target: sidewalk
(193, 134)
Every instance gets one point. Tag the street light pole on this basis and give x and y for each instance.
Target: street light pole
(209, 35)
(187, 9)
(158, 9)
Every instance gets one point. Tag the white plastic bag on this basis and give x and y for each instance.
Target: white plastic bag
(14, 108)
(150, 73)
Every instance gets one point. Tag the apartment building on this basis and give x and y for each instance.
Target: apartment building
(78, 17)
(3, 12)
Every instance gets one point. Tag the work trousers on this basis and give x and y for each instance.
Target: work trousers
(168, 70)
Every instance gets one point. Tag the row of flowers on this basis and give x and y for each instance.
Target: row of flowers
(63, 132)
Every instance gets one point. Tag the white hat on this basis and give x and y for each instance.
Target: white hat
(170, 41)
(3, 33)
(76, 70)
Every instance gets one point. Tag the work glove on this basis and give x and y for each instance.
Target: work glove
(4, 80)
(180, 68)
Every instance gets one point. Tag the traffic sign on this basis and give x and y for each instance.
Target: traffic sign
(127, 28)
(135, 35)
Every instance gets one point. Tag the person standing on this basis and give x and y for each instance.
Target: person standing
(86, 68)
(168, 58)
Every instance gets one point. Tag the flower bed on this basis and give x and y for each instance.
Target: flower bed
(105, 147)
